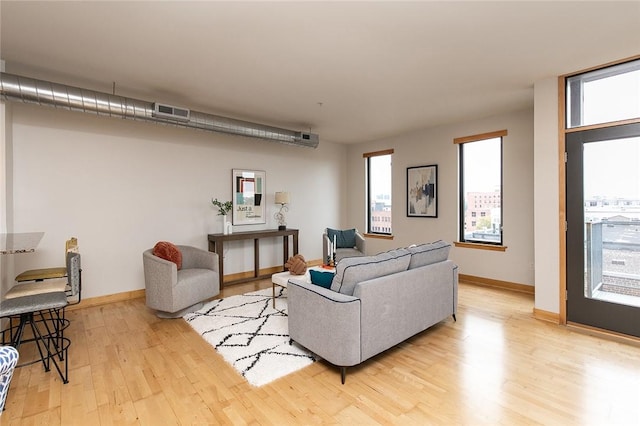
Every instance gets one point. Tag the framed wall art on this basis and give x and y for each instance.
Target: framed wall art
(422, 191)
(249, 197)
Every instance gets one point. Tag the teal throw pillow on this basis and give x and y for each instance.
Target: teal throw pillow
(344, 238)
(323, 279)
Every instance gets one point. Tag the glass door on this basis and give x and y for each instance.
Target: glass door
(603, 228)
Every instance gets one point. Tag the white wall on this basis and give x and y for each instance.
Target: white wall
(138, 183)
(120, 186)
(546, 178)
(435, 146)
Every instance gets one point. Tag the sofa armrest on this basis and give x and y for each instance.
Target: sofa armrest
(193, 257)
(361, 243)
(159, 270)
(325, 249)
(325, 322)
(160, 276)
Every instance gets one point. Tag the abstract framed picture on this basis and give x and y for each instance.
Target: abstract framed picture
(248, 197)
(422, 191)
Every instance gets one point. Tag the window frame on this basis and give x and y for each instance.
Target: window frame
(462, 241)
(574, 92)
(368, 217)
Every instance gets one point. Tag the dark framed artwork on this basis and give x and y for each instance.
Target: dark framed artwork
(422, 191)
(248, 197)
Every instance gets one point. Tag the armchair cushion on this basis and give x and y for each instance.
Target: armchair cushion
(168, 251)
(345, 238)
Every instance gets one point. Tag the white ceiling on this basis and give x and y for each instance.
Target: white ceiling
(349, 71)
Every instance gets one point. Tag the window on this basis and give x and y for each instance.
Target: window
(604, 95)
(378, 183)
(480, 159)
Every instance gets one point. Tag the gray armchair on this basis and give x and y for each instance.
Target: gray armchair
(172, 292)
(344, 238)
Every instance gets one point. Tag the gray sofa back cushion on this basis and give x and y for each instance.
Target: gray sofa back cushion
(353, 270)
(427, 254)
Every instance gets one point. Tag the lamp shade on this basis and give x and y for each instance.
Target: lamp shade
(282, 198)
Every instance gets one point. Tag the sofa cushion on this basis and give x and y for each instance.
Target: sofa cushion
(321, 278)
(352, 270)
(345, 238)
(168, 251)
(426, 254)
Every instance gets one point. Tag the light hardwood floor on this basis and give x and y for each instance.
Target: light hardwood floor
(495, 365)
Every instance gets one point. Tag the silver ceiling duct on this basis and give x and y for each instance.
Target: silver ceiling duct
(29, 90)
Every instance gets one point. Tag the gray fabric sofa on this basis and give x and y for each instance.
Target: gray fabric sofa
(172, 292)
(374, 303)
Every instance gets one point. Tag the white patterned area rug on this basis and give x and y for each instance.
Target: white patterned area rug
(251, 335)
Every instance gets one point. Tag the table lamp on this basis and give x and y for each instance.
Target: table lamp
(282, 198)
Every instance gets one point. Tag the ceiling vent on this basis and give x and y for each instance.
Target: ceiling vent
(40, 92)
(170, 112)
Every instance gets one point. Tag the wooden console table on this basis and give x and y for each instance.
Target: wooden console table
(216, 245)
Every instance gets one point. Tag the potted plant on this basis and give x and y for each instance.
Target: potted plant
(223, 209)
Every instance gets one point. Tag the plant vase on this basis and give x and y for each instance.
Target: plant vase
(227, 227)
(225, 230)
